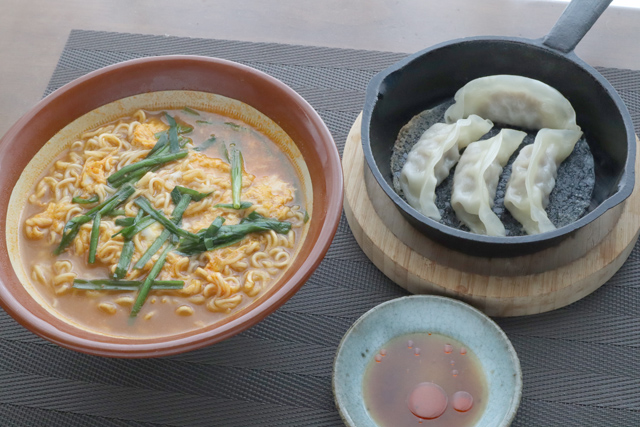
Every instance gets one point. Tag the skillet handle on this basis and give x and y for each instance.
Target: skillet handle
(576, 20)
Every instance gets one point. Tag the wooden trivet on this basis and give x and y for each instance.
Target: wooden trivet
(508, 294)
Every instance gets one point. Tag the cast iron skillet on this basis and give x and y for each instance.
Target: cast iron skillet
(430, 77)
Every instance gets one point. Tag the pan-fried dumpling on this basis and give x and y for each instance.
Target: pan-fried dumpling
(476, 179)
(533, 176)
(430, 160)
(515, 101)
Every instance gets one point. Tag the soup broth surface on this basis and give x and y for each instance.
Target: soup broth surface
(217, 282)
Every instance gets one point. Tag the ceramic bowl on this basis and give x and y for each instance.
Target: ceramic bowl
(170, 73)
(424, 313)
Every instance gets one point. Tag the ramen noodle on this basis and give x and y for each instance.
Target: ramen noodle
(217, 211)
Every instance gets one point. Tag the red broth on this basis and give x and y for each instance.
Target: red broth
(427, 379)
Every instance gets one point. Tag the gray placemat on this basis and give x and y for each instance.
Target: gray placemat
(581, 364)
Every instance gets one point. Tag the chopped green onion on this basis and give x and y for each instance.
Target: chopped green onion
(306, 217)
(204, 122)
(176, 217)
(236, 162)
(125, 222)
(211, 244)
(224, 152)
(175, 195)
(182, 130)
(95, 235)
(243, 205)
(136, 228)
(72, 227)
(214, 227)
(132, 230)
(233, 125)
(206, 144)
(153, 161)
(196, 196)
(145, 205)
(125, 259)
(174, 145)
(135, 221)
(163, 139)
(121, 198)
(125, 285)
(146, 286)
(190, 111)
(134, 177)
(151, 251)
(80, 200)
(228, 235)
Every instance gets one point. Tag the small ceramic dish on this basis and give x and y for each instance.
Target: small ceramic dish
(426, 313)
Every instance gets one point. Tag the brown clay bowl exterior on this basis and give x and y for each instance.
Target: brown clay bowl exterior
(267, 94)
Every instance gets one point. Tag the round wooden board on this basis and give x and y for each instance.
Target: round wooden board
(508, 295)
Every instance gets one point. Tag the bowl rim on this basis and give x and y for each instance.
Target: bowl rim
(625, 186)
(429, 299)
(137, 347)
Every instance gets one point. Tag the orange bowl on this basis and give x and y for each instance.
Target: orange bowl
(266, 94)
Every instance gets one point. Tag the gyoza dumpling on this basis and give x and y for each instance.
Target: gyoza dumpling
(515, 101)
(430, 160)
(533, 176)
(476, 179)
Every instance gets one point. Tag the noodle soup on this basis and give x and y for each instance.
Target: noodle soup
(164, 221)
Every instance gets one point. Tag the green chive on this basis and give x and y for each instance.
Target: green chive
(157, 244)
(204, 122)
(175, 195)
(72, 227)
(121, 198)
(228, 235)
(236, 175)
(117, 212)
(207, 144)
(214, 227)
(132, 230)
(146, 286)
(243, 205)
(151, 251)
(80, 200)
(163, 139)
(124, 285)
(125, 222)
(190, 111)
(125, 259)
(196, 196)
(224, 152)
(182, 130)
(233, 125)
(153, 161)
(174, 145)
(145, 205)
(95, 235)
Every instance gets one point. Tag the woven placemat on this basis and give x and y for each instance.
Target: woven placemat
(581, 364)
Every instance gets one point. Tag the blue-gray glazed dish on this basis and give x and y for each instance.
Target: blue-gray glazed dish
(427, 313)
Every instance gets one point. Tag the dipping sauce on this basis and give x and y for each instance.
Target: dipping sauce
(427, 379)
